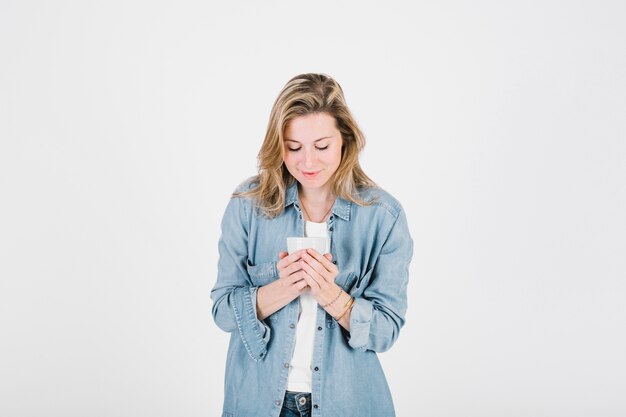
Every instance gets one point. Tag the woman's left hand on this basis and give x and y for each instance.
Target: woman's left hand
(318, 271)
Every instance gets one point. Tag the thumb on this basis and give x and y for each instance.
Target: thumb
(281, 255)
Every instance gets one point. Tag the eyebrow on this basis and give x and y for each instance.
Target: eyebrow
(315, 141)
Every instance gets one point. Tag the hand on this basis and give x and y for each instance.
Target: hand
(318, 271)
(290, 278)
(289, 285)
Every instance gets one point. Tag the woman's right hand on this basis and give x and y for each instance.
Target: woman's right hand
(289, 278)
(289, 285)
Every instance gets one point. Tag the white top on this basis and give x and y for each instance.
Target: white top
(300, 376)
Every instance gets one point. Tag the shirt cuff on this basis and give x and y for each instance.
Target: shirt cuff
(264, 328)
(253, 332)
(360, 320)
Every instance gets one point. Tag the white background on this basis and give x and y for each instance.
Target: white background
(499, 125)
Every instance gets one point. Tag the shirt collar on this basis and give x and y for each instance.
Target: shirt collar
(341, 208)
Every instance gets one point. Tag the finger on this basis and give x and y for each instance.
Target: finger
(295, 276)
(281, 256)
(319, 279)
(323, 260)
(310, 265)
(300, 285)
(300, 282)
(290, 270)
(329, 256)
(317, 266)
(284, 262)
(311, 282)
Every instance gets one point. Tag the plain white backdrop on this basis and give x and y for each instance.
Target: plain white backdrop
(500, 126)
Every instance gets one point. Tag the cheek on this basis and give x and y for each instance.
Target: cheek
(289, 160)
(337, 157)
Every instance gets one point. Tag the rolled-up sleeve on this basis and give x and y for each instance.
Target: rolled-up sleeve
(234, 296)
(378, 315)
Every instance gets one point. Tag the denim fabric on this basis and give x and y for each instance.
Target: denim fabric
(372, 249)
(296, 404)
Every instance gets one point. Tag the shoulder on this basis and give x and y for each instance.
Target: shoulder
(241, 203)
(378, 198)
(247, 185)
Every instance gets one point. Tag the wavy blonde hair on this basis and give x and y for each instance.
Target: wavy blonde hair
(302, 95)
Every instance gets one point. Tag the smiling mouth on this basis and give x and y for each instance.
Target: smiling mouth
(310, 174)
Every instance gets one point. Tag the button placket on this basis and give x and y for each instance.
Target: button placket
(331, 228)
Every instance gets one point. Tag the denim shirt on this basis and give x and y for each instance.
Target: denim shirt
(372, 249)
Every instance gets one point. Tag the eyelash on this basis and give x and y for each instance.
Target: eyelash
(297, 149)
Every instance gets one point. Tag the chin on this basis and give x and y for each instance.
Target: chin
(316, 183)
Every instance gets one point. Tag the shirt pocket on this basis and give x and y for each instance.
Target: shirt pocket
(348, 282)
(262, 274)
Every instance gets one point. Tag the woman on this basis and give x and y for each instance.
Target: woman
(305, 327)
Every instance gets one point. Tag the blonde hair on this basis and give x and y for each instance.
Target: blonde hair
(305, 94)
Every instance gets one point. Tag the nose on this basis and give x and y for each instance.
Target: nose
(309, 158)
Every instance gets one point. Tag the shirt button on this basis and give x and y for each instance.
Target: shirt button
(331, 229)
(319, 328)
(292, 326)
(335, 262)
(316, 369)
(286, 365)
(315, 406)
(277, 402)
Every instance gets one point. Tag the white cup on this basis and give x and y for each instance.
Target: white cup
(320, 244)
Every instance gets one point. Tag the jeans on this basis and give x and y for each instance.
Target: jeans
(296, 404)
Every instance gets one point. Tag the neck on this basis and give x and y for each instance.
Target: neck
(316, 204)
(316, 196)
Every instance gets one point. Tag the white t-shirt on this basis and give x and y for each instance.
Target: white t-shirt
(300, 376)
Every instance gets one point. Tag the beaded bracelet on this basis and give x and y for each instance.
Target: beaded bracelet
(336, 298)
(348, 307)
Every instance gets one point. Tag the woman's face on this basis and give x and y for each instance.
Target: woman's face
(312, 150)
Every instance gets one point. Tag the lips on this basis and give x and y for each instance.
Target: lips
(310, 174)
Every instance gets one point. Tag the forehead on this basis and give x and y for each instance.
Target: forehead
(311, 127)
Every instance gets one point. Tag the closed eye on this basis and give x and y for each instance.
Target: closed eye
(297, 149)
